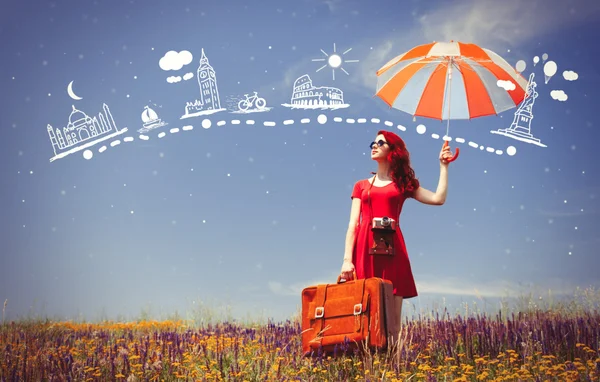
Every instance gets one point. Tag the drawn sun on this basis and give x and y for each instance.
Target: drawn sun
(334, 61)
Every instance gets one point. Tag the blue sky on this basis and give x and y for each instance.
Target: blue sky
(248, 215)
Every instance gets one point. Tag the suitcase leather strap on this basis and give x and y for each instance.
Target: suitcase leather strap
(320, 299)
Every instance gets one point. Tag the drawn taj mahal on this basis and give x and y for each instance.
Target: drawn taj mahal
(209, 101)
(82, 131)
(520, 128)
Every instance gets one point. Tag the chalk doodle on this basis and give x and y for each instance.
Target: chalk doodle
(82, 131)
(306, 96)
(209, 102)
(520, 128)
(334, 61)
(150, 120)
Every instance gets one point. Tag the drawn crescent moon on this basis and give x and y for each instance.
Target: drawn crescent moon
(71, 93)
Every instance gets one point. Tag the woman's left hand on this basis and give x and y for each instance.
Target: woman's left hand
(445, 154)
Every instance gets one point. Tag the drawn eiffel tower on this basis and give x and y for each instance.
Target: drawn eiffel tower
(520, 128)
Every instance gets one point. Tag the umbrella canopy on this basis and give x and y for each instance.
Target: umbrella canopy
(450, 80)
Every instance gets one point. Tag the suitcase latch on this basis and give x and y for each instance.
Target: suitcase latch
(357, 309)
(319, 312)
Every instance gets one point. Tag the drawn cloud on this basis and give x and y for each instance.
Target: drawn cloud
(559, 95)
(506, 85)
(173, 60)
(173, 79)
(188, 76)
(570, 75)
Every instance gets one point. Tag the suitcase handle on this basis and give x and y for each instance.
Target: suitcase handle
(340, 277)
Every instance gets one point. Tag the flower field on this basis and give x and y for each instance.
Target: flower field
(532, 345)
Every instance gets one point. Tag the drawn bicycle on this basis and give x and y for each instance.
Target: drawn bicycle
(245, 104)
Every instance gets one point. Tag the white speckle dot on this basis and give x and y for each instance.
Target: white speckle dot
(127, 95)
(485, 171)
(270, 47)
(228, 174)
(23, 200)
(88, 154)
(565, 201)
(131, 212)
(203, 221)
(575, 227)
(31, 172)
(570, 253)
(49, 94)
(267, 192)
(135, 77)
(474, 209)
(206, 123)
(162, 155)
(322, 118)
(421, 129)
(511, 150)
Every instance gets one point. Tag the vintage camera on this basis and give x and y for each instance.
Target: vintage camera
(384, 223)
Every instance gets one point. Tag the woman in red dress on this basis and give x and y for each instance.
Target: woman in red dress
(393, 183)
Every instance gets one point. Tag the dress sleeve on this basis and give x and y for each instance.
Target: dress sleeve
(357, 191)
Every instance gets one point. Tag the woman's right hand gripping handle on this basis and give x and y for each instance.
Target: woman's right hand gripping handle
(348, 270)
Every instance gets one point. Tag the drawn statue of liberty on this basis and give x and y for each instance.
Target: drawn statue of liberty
(520, 128)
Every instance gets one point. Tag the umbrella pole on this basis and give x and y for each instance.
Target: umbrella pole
(449, 92)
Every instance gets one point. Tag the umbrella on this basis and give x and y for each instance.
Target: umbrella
(450, 80)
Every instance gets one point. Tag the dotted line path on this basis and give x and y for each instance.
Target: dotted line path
(321, 119)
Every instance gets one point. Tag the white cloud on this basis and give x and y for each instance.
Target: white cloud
(428, 284)
(559, 95)
(506, 85)
(173, 79)
(295, 289)
(188, 76)
(570, 75)
(497, 24)
(173, 60)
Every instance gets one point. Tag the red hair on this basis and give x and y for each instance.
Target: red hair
(399, 158)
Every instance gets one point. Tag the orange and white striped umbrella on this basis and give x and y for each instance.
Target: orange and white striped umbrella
(450, 80)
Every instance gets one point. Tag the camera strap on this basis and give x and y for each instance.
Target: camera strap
(369, 196)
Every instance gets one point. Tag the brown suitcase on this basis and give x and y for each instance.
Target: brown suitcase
(355, 313)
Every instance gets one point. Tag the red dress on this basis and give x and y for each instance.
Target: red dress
(385, 201)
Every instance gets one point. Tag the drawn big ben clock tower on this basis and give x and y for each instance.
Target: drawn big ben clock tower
(209, 93)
